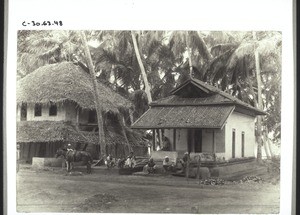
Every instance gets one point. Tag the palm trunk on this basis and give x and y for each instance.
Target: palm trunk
(259, 101)
(267, 141)
(208, 54)
(122, 124)
(189, 53)
(144, 75)
(96, 93)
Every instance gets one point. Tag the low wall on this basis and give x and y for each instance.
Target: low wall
(39, 163)
(229, 170)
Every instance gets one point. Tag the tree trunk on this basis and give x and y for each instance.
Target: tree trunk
(189, 53)
(96, 93)
(266, 148)
(122, 124)
(259, 101)
(267, 142)
(144, 75)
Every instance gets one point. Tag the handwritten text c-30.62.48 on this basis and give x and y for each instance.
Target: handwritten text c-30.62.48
(43, 23)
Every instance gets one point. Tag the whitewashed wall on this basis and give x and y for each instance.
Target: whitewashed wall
(241, 123)
(61, 113)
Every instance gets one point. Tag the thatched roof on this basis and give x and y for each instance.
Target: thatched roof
(66, 82)
(135, 138)
(46, 131)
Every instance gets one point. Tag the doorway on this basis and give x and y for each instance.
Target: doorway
(195, 140)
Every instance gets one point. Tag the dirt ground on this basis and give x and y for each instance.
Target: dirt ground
(53, 190)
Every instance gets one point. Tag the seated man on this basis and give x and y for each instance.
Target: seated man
(130, 161)
(184, 161)
(109, 161)
(168, 165)
(150, 167)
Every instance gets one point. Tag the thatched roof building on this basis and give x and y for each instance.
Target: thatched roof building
(66, 82)
(70, 88)
(59, 131)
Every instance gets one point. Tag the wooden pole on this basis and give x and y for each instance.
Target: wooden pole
(187, 169)
(198, 168)
(160, 138)
(153, 139)
(77, 117)
(214, 144)
(174, 139)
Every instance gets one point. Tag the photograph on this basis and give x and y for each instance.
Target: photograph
(149, 107)
(148, 121)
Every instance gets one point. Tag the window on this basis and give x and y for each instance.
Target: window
(53, 109)
(243, 144)
(92, 116)
(24, 112)
(233, 143)
(38, 110)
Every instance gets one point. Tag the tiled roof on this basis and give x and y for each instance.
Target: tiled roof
(184, 117)
(179, 101)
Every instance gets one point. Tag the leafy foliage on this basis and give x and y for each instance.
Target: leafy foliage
(223, 59)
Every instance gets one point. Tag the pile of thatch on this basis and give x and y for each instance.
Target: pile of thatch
(66, 82)
(136, 138)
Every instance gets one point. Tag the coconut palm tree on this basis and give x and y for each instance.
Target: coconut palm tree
(189, 47)
(96, 93)
(38, 48)
(142, 68)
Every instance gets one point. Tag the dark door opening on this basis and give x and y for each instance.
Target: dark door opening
(194, 140)
(198, 140)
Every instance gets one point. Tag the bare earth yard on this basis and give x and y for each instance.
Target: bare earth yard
(53, 190)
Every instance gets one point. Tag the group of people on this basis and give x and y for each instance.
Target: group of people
(129, 162)
(168, 165)
(150, 167)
